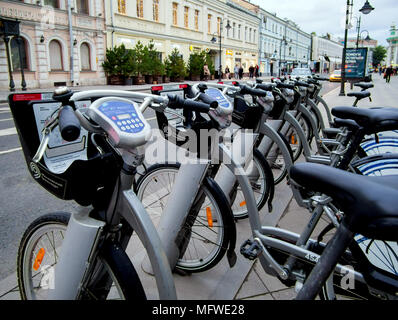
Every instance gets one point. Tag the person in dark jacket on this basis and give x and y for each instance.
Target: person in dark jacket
(388, 74)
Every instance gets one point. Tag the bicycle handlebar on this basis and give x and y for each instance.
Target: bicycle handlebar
(208, 100)
(244, 89)
(176, 102)
(69, 124)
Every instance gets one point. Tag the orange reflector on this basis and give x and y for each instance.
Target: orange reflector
(209, 217)
(39, 259)
(243, 203)
(293, 139)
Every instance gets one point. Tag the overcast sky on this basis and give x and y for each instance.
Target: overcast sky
(328, 16)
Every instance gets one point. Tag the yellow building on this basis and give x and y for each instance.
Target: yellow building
(187, 25)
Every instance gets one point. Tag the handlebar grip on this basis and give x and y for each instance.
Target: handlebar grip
(69, 125)
(285, 85)
(213, 103)
(176, 102)
(255, 92)
(266, 87)
(301, 84)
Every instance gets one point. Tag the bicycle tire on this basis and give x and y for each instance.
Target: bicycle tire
(115, 261)
(267, 192)
(279, 169)
(295, 142)
(224, 220)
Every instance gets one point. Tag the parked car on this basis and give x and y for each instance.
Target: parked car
(335, 76)
(301, 73)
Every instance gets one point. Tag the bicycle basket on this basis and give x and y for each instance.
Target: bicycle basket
(246, 115)
(88, 178)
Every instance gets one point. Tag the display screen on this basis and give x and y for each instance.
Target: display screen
(123, 116)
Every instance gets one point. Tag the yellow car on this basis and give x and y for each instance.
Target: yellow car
(335, 76)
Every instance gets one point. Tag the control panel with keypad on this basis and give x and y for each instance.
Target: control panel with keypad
(122, 120)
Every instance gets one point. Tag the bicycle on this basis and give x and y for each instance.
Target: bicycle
(97, 238)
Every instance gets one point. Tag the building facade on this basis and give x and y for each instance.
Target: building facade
(327, 53)
(283, 46)
(188, 25)
(62, 42)
(392, 50)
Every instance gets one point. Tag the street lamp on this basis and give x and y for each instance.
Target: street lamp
(280, 53)
(367, 8)
(214, 40)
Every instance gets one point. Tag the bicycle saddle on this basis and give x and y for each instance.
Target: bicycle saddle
(373, 120)
(364, 85)
(359, 95)
(350, 124)
(370, 204)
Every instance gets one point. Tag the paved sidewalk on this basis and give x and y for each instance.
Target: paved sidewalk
(247, 280)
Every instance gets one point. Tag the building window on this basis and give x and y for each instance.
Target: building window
(155, 5)
(140, 8)
(82, 6)
(239, 37)
(209, 23)
(175, 8)
(227, 28)
(85, 57)
(245, 33)
(186, 15)
(196, 19)
(16, 64)
(233, 30)
(121, 6)
(55, 55)
(254, 36)
(250, 35)
(218, 25)
(52, 3)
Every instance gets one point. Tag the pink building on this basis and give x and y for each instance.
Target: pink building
(53, 31)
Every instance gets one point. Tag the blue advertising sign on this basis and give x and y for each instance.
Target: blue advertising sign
(356, 63)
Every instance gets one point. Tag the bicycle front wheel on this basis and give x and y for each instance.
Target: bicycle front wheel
(38, 255)
(205, 237)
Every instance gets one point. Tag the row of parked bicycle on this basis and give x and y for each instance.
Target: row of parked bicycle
(184, 213)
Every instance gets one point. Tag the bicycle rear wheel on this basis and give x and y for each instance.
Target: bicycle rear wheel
(38, 255)
(206, 232)
(262, 181)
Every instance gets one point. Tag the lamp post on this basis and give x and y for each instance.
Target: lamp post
(214, 40)
(280, 53)
(366, 9)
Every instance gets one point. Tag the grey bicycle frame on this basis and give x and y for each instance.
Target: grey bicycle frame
(83, 232)
(268, 236)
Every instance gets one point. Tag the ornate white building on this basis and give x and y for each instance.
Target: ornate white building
(53, 31)
(188, 25)
(327, 53)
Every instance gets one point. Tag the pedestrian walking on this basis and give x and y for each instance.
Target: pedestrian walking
(240, 72)
(256, 71)
(251, 71)
(227, 73)
(206, 72)
(387, 74)
(236, 72)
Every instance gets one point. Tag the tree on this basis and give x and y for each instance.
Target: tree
(379, 53)
(175, 65)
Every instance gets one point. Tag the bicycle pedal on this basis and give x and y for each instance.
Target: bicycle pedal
(250, 249)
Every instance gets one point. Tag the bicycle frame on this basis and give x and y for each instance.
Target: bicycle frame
(84, 232)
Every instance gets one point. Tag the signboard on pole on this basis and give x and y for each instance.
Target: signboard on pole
(356, 63)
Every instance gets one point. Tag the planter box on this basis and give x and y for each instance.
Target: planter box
(115, 80)
(157, 79)
(195, 77)
(166, 79)
(138, 80)
(128, 81)
(148, 79)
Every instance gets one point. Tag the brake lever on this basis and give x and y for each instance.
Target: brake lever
(45, 139)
